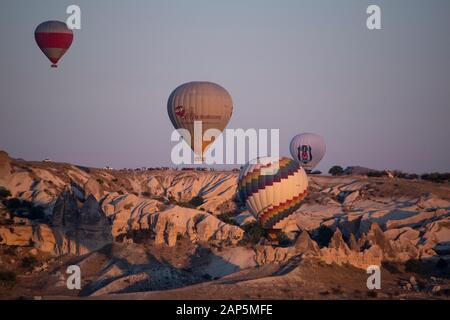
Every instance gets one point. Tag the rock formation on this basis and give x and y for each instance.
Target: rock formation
(345, 221)
(5, 165)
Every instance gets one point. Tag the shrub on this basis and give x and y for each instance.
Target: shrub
(189, 204)
(336, 171)
(128, 206)
(141, 235)
(391, 267)
(337, 290)
(436, 177)
(376, 173)
(253, 232)
(183, 204)
(283, 239)
(23, 208)
(4, 193)
(10, 250)
(12, 204)
(28, 262)
(8, 277)
(227, 218)
(159, 198)
(401, 175)
(413, 265)
(100, 181)
(170, 200)
(8, 222)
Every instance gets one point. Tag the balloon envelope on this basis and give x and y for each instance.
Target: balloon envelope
(54, 39)
(308, 149)
(272, 189)
(200, 101)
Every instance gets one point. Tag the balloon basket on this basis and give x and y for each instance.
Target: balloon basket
(54, 66)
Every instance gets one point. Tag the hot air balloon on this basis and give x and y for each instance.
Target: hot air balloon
(308, 149)
(199, 101)
(54, 39)
(272, 189)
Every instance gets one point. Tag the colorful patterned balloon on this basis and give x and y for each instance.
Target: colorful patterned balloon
(272, 189)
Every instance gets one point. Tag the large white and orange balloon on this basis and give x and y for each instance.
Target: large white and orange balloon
(272, 189)
(200, 101)
(54, 39)
(308, 149)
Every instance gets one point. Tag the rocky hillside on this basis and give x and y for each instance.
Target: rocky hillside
(155, 230)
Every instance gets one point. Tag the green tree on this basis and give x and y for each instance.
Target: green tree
(4, 193)
(253, 233)
(28, 262)
(336, 171)
(283, 239)
(8, 277)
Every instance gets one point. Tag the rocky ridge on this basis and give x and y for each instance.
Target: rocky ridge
(350, 220)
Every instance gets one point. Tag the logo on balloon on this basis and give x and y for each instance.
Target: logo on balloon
(308, 149)
(180, 112)
(304, 153)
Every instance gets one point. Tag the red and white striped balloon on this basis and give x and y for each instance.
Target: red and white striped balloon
(54, 38)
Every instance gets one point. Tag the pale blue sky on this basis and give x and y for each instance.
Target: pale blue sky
(380, 98)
